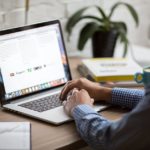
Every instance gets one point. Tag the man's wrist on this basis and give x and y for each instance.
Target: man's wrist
(105, 94)
(82, 104)
(81, 110)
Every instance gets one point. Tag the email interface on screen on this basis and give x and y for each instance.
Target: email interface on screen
(32, 60)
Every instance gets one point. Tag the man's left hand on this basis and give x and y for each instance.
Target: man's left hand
(77, 98)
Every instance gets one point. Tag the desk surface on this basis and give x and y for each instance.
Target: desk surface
(46, 136)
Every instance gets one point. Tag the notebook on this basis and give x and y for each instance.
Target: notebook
(34, 68)
(15, 136)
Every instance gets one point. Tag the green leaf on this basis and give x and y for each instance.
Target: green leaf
(90, 17)
(125, 48)
(101, 12)
(129, 7)
(74, 19)
(133, 13)
(87, 32)
(120, 26)
(124, 40)
(113, 9)
(85, 17)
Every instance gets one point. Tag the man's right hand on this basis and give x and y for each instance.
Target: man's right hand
(95, 91)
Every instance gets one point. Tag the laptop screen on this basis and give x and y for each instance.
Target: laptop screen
(32, 60)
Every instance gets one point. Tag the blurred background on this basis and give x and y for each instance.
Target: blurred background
(13, 14)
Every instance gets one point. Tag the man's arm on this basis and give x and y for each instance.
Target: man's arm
(92, 127)
(130, 132)
(126, 97)
(118, 96)
(96, 130)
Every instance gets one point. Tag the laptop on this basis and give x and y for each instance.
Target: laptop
(33, 70)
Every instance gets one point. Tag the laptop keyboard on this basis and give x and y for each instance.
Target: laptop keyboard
(43, 104)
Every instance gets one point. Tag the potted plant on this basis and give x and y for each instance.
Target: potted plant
(102, 29)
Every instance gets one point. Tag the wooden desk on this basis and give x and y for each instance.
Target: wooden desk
(48, 137)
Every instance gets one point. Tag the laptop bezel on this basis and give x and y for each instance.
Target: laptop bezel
(28, 27)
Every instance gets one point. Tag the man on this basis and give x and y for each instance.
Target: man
(129, 133)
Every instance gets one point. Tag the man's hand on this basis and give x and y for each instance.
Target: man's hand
(94, 89)
(77, 98)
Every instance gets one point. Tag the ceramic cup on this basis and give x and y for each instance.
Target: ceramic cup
(143, 77)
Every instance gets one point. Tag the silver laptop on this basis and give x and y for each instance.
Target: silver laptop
(33, 70)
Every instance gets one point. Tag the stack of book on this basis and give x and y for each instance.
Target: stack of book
(120, 71)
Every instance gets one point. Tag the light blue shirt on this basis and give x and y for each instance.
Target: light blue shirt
(132, 132)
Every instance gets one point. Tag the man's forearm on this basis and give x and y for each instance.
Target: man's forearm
(124, 97)
(124, 134)
(98, 131)
(91, 126)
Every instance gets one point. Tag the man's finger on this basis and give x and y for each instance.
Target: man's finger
(69, 82)
(64, 103)
(67, 89)
(68, 97)
(92, 100)
(84, 91)
(67, 107)
(74, 91)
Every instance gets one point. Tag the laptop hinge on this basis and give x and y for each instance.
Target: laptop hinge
(3, 102)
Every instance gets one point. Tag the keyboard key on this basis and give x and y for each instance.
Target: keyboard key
(43, 104)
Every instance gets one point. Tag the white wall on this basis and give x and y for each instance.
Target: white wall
(140, 35)
(12, 15)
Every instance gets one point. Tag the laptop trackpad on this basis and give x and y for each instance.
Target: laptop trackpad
(56, 115)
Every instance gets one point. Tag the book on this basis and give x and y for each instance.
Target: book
(123, 84)
(85, 74)
(109, 69)
(15, 135)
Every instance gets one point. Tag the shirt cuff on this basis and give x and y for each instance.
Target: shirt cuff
(82, 110)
